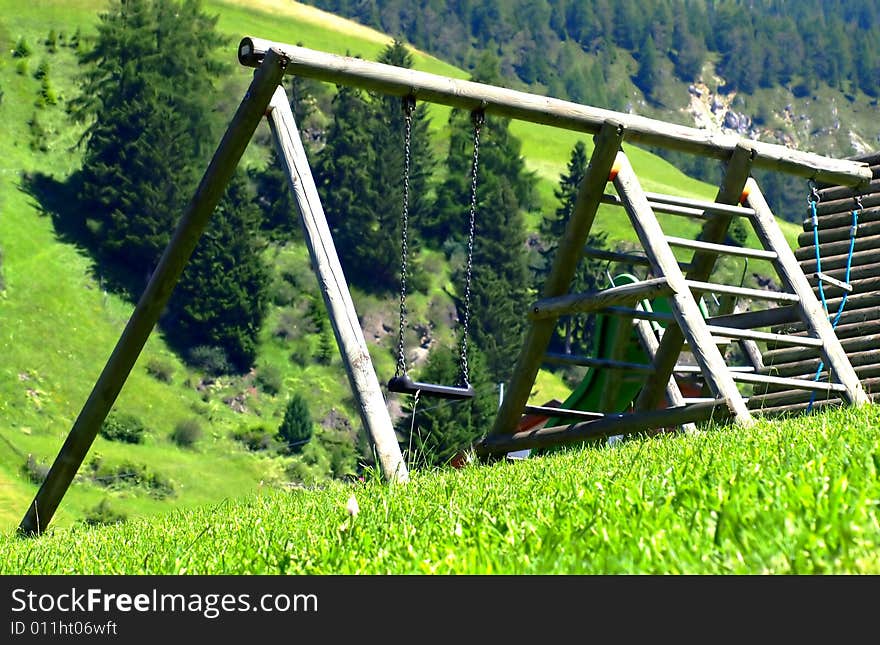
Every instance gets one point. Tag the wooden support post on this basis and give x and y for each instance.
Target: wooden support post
(691, 323)
(334, 288)
(702, 263)
(814, 315)
(155, 296)
(559, 280)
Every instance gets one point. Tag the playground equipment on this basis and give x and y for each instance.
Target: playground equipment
(838, 252)
(608, 163)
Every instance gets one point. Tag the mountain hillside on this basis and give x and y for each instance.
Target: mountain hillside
(804, 74)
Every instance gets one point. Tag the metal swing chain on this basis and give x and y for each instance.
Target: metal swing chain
(478, 118)
(409, 105)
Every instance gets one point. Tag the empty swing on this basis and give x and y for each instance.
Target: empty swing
(401, 382)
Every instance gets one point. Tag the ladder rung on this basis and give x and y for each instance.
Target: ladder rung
(639, 259)
(775, 296)
(840, 284)
(616, 256)
(674, 209)
(707, 399)
(782, 339)
(760, 318)
(798, 383)
(593, 300)
(712, 207)
(602, 363)
(696, 369)
(562, 412)
(727, 249)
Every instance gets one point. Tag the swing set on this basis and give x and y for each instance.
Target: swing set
(685, 325)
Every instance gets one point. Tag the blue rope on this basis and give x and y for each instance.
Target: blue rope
(852, 245)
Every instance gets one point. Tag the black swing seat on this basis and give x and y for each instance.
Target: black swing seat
(405, 385)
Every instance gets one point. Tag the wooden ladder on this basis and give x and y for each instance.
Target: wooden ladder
(738, 196)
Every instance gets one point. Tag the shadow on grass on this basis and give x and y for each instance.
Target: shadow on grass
(59, 201)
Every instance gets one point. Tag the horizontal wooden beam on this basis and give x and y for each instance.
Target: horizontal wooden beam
(668, 207)
(610, 424)
(788, 397)
(744, 292)
(639, 314)
(759, 318)
(556, 358)
(562, 412)
(838, 205)
(842, 232)
(574, 303)
(841, 247)
(727, 249)
(829, 262)
(797, 383)
(398, 81)
(782, 339)
(845, 192)
(842, 218)
(857, 343)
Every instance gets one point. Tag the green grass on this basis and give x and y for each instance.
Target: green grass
(789, 497)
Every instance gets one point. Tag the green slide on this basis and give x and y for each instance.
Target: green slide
(612, 332)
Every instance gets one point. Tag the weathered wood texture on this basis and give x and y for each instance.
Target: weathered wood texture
(334, 289)
(714, 231)
(691, 323)
(593, 301)
(397, 81)
(858, 328)
(561, 273)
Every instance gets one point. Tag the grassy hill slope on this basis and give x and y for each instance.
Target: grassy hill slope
(58, 324)
(787, 497)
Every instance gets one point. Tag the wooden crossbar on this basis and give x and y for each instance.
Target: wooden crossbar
(399, 81)
(744, 292)
(595, 300)
(727, 249)
(801, 384)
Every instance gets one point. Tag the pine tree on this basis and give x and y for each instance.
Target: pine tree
(296, 428)
(280, 218)
(222, 297)
(646, 77)
(149, 119)
(344, 176)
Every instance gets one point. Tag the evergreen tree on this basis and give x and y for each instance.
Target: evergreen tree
(222, 296)
(280, 218)
(646, 77)
(499, 288)
(148, 119)
(344, 176)
(573, 334)
(147, 139)
(442, 429)
(388, 173)
(296, 428)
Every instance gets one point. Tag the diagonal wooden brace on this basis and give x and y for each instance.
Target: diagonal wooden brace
(559, 280)
(714, 231)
